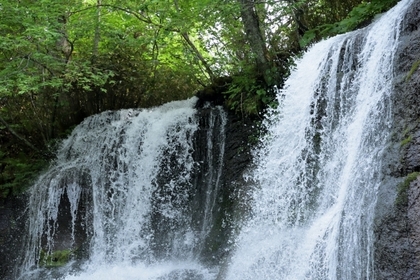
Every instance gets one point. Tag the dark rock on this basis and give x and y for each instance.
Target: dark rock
(12, 227)
(236, 160)
(413, 221)
(214, 93)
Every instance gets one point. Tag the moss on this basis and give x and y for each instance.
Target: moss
(402, 196)
(56, 258)
(413, 69)
(406, 140)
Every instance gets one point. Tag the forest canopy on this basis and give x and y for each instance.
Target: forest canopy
(61, 61)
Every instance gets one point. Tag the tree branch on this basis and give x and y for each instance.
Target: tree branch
(138, 16)
(13, 132)
(194, 48)
(198, 54)
(148, 20)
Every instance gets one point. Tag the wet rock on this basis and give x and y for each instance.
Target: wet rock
(397, 224)
(413, 220)
(12, 226)
(214, 93)
(236, 159)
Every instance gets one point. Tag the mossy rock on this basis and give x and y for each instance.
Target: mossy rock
(413, 69)
(406, 141)
(402, 196)
(55, 259)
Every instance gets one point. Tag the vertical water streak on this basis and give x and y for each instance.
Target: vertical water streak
(319, 168)
(216, 136)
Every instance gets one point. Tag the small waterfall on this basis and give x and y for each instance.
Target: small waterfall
(319, 168)
(124, 194)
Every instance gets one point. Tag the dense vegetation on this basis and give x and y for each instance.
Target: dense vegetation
(61, 61)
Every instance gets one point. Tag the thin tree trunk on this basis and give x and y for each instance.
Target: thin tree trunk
(254, 36)
(299, 17)
(97, 36)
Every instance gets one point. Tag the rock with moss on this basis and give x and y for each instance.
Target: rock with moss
(397, 230)
(402, 198)
(55, 259)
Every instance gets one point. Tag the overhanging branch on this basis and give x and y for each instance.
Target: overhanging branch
(14, 133)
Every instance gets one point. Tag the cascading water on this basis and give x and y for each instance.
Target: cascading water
(139, 195)
(319, 168)
(125, 181)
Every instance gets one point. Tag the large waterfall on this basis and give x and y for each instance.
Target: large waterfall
(319, 169)
(134, 195)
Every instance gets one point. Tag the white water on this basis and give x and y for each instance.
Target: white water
(319, 169)
(315, 182)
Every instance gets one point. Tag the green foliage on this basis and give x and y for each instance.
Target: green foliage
(402, 196)
(249, 96)
(66, 60)
(358, 16)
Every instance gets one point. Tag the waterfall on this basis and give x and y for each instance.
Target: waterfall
(319, 168)
(137, 194)
(123, 193)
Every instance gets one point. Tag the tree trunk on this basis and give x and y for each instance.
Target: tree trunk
(254, 36)
(97, 36)
(299, 17)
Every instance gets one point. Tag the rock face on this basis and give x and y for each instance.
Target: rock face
(236, 159)
(12, 228)
(214, 93)
(397, 245)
